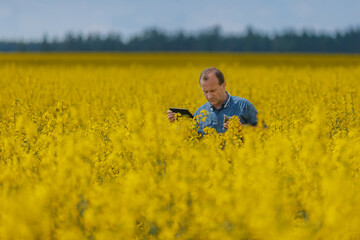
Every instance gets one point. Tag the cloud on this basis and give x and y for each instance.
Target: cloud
(98, 28)
(303, 10)
(5, 12)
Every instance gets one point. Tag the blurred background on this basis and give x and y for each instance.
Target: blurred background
(180, 25)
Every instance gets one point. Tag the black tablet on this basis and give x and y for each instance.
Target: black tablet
(183, 111)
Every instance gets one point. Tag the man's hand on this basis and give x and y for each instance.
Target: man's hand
(171, 116)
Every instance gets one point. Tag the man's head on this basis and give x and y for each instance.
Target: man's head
(213, 85)
(205, 74)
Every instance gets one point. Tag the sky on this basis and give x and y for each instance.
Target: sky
(32, 19)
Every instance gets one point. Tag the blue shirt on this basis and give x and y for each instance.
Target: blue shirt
(231, 107)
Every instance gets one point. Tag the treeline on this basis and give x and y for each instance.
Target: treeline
(347, 41)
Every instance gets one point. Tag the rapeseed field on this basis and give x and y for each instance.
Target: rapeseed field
(87, 152)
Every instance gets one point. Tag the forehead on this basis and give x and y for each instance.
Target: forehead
(211, 83)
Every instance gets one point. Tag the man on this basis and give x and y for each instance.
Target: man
(220, 103)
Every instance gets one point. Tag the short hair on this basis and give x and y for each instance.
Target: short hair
(205, 74)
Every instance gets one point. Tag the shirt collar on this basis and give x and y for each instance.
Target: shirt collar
(224, 105)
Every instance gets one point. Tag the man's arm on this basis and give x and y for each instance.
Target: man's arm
(251, 113)
(250, 118)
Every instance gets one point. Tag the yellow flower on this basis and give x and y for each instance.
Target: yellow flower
(86, 151)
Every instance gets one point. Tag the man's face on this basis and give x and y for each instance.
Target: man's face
(213, 92)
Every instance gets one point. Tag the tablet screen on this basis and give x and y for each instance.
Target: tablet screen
(183, 111)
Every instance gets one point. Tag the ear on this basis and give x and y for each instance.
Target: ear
(224, 84)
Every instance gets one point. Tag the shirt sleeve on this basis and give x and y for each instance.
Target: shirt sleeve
(251, 113)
